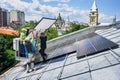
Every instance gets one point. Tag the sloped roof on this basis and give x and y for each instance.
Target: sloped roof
(9, 31)
(102, 66)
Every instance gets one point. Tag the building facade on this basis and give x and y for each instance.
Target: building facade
(93, 16)
(17, 17)
(22, 18)
(60, 22)
(4, 17)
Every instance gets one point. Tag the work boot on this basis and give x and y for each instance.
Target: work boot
(45, 56)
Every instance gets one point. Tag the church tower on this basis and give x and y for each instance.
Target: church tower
(93, 16)
(59, 23)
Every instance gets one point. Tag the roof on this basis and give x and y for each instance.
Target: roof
(102, 66)
(94, 6)
(8, 31)
(103, 24)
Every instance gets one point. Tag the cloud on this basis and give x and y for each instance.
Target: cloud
(30, 9)
(56, 0)
(35, 10)
(74, 13)
(105, 18)
(33, 17)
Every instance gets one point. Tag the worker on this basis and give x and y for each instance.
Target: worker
(43, 39)
(22, 46)
(29, 43)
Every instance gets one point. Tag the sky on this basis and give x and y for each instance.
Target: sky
(77, 10)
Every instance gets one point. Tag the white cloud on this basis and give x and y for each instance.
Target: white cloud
(33, 17)
(35, 10)
(56, 0)
(62, 5)
(28, 8)
(105, 18)
(74, 13)
(15, 4)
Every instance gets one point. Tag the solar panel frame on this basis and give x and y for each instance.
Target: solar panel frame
(43, 25)
(93, 44)
(47, 23)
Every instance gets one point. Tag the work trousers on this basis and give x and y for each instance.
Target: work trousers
(42, 52)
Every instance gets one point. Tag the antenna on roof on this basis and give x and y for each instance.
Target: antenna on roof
(114, 19)
(68, 19)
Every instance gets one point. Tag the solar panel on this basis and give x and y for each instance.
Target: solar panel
(43, 25)
(93, 43)
(62, 51)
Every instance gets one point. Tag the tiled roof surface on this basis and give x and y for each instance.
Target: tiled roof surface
(9, 32)
(102, 66)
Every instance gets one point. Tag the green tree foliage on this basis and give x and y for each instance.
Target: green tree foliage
(52, 33)
(7, 55)
(29, 24)
(75, 27)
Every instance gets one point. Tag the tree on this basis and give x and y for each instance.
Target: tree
(52, 33)
(75, 27)
(29, 24)
(7, 55)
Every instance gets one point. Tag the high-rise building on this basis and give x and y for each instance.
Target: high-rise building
(22, 17)
(17, 17)
(93, 16)
(4, 17)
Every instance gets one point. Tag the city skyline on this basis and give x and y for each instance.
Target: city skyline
(77, 10)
